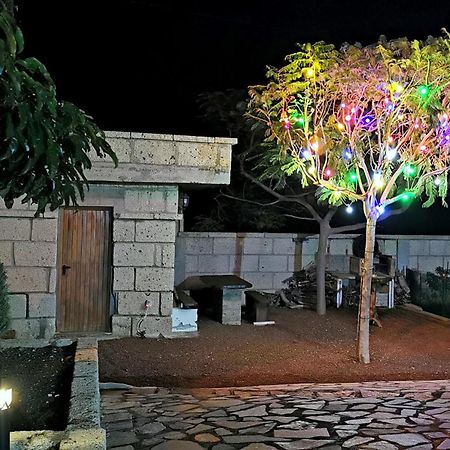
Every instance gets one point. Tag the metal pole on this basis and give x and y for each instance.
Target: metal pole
(4, 429)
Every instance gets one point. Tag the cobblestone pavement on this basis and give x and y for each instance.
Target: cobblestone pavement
(384, 415)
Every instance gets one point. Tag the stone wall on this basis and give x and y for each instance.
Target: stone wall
(266, 259)
(28, 252)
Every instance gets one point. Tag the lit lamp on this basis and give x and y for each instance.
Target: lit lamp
(5, 403)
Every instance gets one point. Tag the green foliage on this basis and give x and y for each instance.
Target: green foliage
(45, 141)
(4, 302)
(369, 111)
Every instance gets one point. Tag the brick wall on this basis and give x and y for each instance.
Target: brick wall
(266, 259)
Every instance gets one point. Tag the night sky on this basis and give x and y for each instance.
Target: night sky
(140, 64)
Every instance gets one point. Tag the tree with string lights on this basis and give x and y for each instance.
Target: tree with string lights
(364, 124)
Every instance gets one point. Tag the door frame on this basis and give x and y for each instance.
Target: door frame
(110, 210)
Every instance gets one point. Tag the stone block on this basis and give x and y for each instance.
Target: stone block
(309, 246)
(42, 328)
(154, 279)
(122, 148)
(166, 305)
(154, 152)
(413, 262)
(17, 306)
(145, 200)
(6, 253)
(429, 263)
(197, 155)
(259, 280)
(273, 263)
(123, 279)
(167, 254)
(15, 229)
(155, 231)
(390, 247)
(153, 326)
(278, 279)
(307, 259)
(283, 246)
(84, 439)
(257, 246)
(439, 247)
(341, 246)
(199, 246)
(36, 254)
(27, 279)
(419, 247)
(171, 195)
(52, 280)
(121, 325)
(225, 246)
(41, 305)
(134, 254)
(191, 264)
(211, 264)
(133, 303)
(44, 230)
(244, 263)
(123, 230)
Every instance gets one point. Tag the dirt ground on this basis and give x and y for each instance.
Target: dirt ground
(301, 347)
(40, 379)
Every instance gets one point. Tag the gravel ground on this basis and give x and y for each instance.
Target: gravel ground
(41, 379)
(301, 347)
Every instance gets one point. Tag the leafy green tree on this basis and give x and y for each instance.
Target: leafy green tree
(45, 141)
(363, 124)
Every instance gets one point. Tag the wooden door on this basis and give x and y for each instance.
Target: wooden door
(84, 266)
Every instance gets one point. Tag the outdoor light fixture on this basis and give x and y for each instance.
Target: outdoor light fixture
(5, 403)
(185, 200)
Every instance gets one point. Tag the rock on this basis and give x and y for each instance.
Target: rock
(206, 437)
(381, 445)
(199, 428)
(220, 403)
(332, 418)
(405, 439)
(282, 411)
(258, 446)
(151, 428)
(257, 411)
(304, 443)
(356, 441)
(302, 434)
(444, 445)
(178, 445)
(121, 438)
(174, 435)
(235, 425)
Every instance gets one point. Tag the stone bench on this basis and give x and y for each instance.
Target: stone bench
(256, 306)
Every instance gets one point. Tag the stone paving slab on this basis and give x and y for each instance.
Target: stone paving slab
(377, 415)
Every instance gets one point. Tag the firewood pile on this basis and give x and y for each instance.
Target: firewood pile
(301, 290)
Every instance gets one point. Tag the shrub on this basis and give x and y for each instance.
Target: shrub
(4, 302)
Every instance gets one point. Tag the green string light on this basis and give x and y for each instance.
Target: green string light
(409, 170)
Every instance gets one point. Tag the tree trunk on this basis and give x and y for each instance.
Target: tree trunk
(366, 286)
(321, 262)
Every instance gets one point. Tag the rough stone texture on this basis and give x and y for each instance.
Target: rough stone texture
(123, 279)
(246, 417)
(15, 229)
(153, 326)
(121, 325)
(44, 230)
(17, 306)
(27, 279)
(154, 279)
(6, 253)
(134, 303)
(35, 254)
(124, 230)
(134, 255)
(155, 231)
(42, 305)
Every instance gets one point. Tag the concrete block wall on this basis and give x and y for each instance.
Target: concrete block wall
(266, 259)
(28, 248)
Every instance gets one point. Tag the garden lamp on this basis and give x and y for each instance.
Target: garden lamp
(5, 403)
